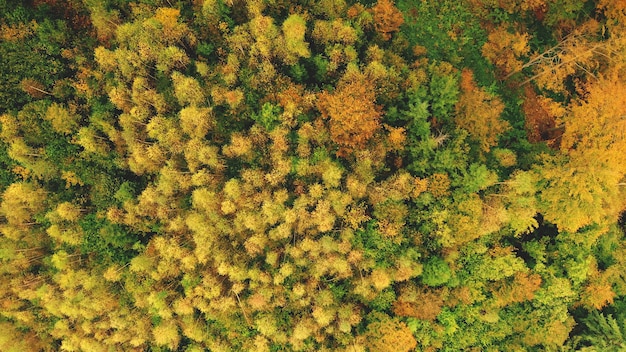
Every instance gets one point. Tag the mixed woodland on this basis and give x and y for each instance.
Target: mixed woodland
(297, 175)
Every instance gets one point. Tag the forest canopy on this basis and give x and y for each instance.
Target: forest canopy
(332, 175)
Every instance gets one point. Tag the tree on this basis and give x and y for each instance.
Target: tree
(479, 113)
(521, 288)
(353, 116)
(387, 18)
(293, 30)
(104, 20)
(21, 201)
(187, 90)
(615, 12)
(68, 211)
(520, 193)
(34, 88)
(603, 333)
(14, 340)
(583, 182)
(420, 303)
(337, 31)
(436, 272)
(63, 121)
(578, 53)
(389, 335)
(91, 141)
(504, 49)
(196, 122)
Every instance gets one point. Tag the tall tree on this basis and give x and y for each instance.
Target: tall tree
(353, 115)
(479, 113)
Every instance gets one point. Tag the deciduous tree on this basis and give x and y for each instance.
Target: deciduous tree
(387, 18)
(354, 117)
(479, 113)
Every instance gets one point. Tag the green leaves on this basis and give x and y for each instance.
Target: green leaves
(436, 272)
(603, 333)
(478, 178)
(268, 117)
(443, 90)
(107, 243)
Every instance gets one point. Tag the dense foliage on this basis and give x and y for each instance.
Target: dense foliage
(273, 175)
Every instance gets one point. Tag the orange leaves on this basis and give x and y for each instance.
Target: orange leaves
(439, 185)
(504, 49)
(522, 289)
(478, 112)
(598, 295)
(387, 18)
(396, 137)
(540, 118)
(33, 88)
(232, 98)
(423, 303)
(295, 101)
(537, 6)
(17, 31)
(615, 11)
(353, 116)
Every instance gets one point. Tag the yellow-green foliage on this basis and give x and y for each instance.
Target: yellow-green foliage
(312, 176)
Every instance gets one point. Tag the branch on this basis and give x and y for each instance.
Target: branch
(39, 90)
(242, 310)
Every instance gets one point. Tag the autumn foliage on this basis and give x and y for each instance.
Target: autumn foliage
(389, 335)
(479, 113)
(312, 176)
(387, 18)
(352, 114)
(505, 49)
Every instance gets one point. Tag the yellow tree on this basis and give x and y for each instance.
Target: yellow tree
(580, 54)
(503, 49)
(195, 121)
(63, 120)
(187, 90)
(584, 183)
(295, 47)
(21, 201)
(389, 335)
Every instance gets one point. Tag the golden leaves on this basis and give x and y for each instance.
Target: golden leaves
(390, 335)
(166, 334)
(439, 185)
(503, 49)
(21, 201)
